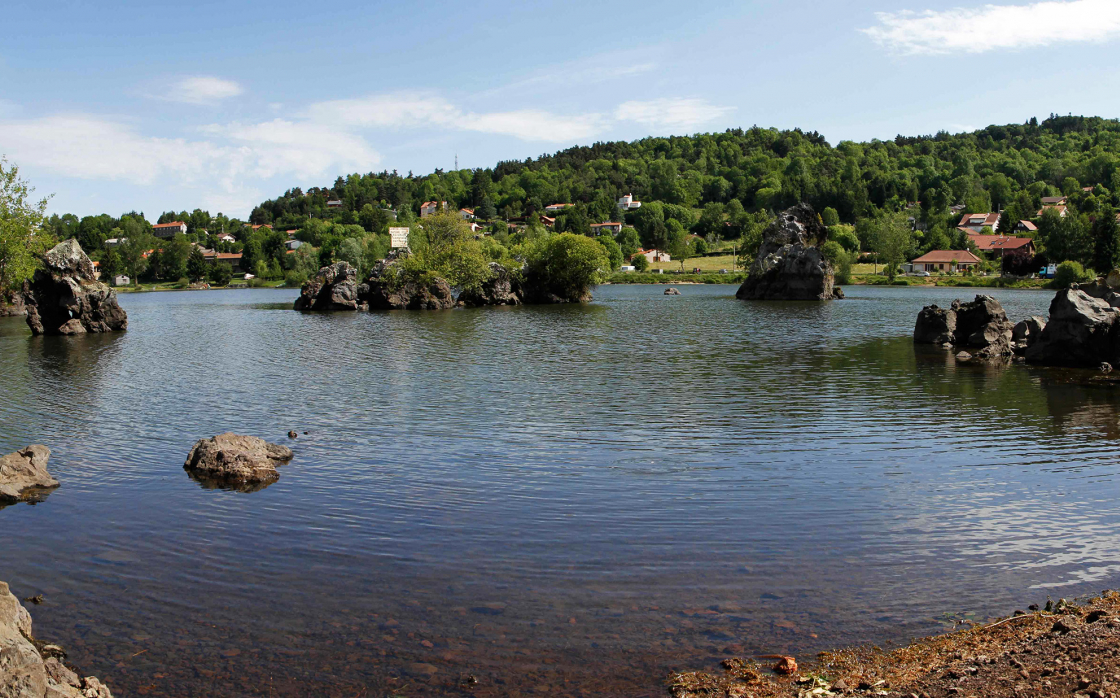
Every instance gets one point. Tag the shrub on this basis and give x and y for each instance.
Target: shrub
(220, 274)
(640, 262)
(295, 279)
(1070, 273)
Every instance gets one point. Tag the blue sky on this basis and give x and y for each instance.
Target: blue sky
(168, 106)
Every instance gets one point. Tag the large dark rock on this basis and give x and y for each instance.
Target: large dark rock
(65, 298)
(789, 266)
(387, 288)
(935, 325)
(501, 289)
(24, 476)
(1026, 333)
(981, 324)
(1082, 331)
(236, 460)
(333, 288)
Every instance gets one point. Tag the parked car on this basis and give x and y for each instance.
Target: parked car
(722, 271)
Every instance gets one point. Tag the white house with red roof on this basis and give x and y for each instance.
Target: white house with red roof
(978, 221)
(627, 203)
(945, 260)
(430, 207)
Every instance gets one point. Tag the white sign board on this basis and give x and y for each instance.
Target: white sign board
(398, 237)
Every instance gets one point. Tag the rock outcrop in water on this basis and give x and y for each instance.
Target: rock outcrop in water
(789, 266)
(24, 476)
(501, 289)
(332, 288)
(1082, 331)
(981, 325)
(236, 461)
(12, 305)
(26, 671)
(65, 297)
(385, 289)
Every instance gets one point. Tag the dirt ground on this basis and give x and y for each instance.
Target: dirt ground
(1069, 650)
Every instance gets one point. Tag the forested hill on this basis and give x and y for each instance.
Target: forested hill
(758, 169)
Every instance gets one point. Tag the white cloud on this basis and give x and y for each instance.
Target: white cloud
(412, 110)
(993, 27)
(305, 149)
(671, 114)
(203, 90)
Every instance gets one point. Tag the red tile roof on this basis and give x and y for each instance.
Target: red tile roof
(990, 219)
(999, 242)
(172, 224)
(946, 256)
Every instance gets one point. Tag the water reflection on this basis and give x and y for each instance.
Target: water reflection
(568, 500)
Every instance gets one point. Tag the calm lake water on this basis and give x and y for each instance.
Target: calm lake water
(557, 501)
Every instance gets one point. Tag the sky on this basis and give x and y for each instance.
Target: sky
(156, 106)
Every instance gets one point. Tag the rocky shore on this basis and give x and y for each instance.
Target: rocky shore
(1069, 650)
(30, 668)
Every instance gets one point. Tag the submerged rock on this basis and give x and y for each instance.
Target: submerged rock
(789, 266)
(65, 297)
(981, 325)
(502, 288)
(672, 292)
(24, 476)
(1082, 331)
(24, 671)
(236, 460)
(332, 288)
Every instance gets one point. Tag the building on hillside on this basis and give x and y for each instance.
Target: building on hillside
(334, 203)
(224, 237)
(556, 208)
(466, 214)
(166, 230)
(113, 242)
(262, 225)
(612, 228)
(475, 227)
(978, 221)
(999, 244)
(233, 259)
(1026, 227)
(429, 207)
(293, 244)
(547, 222)
(946, 260)
(654, 256)
(1060, 208)
(957, 208)
(1054, 201)
(627, 203)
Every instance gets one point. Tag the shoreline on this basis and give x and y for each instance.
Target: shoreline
(1067, 649)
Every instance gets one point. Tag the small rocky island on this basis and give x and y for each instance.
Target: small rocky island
(1083, 329)
(65, 297)
(789, 265)
(233, 461)
(24, 476)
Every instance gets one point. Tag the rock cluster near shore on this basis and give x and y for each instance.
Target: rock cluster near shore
(386, 288)
(1083, 329)
(789, 266)
(981, 326)
(12, 305)
(32, 670)
(236, 461)
(65, 297)
(24, 476)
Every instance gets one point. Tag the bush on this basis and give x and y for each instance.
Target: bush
(640, 262)
(1070, 273)
(295, 279)
(183, 282)
(220, 274)
(567, 265)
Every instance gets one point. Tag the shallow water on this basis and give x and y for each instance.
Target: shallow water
(553, 500)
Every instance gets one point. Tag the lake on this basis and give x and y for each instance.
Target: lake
(540, 501)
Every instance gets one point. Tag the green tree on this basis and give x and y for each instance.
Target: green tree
(197, 268)
(22, 241)
(830, 217)
(567, 264)
(628, 241)
(613, 250)
(891, 238)
(1106, 241)
(640, 262)
(174, 256)
(136, 242)
(220, 274)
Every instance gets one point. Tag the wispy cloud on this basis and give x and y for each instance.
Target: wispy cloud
(422, 110)
(203, 90)
(996, 27)
(671, 114)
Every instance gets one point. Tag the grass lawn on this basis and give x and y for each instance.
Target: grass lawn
(704, 264)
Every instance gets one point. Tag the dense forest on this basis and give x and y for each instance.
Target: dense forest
(697, 191)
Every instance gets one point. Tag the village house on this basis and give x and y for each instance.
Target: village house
(466, 214)
(233, 259)
(334, 203)
(224, 237)
(946, 260)
(262, 225)
(1026, 227)
(999, 244)
(627, 203)
(554, 208)
(612, 228)
(1054, 201)
(166, 230)
(293, 244)
(654, 256)
(428, 208)
(1060, 208)
(548, 222)
(978, 221)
